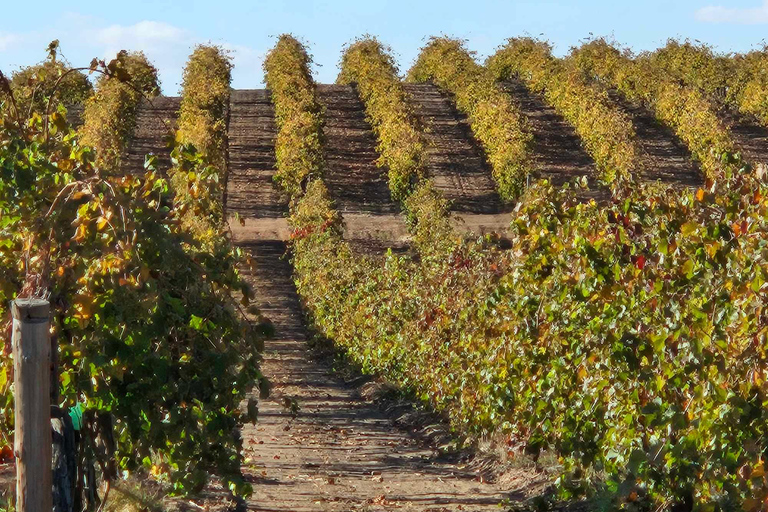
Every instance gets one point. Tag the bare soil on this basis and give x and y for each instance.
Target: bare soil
(251, 193)
(455, 161)
(750, 137)
(560, 157)
(323, 444)
(75, 115)
(665, 158)
(356, 184)
(155, 121)
(354, 180)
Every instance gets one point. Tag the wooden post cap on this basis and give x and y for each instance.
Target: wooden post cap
(30, 309)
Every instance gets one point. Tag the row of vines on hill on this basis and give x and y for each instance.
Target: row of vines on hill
(110, 114)
(629, 338)
(202, 129)
(686, 109)
(34, 85)
(299, 116)
(147, 330)
(495, 120)
(401, 145)
(607, 133)
(370, 66)
(739, 82)
(748, 87)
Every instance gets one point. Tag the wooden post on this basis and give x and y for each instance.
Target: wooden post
(32, 384)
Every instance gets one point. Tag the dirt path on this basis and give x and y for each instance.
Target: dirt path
(341, 452)
(251, 192)
(665, 158)
(358, 186)
(155, 122)
(750, 137)
(455, 161)
(560, 157)
(353, 179)
(75, 115)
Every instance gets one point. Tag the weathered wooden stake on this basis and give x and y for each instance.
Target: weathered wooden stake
(32, 384)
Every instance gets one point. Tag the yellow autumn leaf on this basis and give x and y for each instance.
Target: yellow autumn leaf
(65, 165)
(688, 228)
(101, 222)
(759, 471)
(80, 234)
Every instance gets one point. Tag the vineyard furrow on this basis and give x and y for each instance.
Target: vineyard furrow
(354, 180)
(75, 115)
(749, 136)
(455, 162)
(559, 155)
(340, 451)
(664, 157)
(251, 193)
(357, 185)
(155, 122)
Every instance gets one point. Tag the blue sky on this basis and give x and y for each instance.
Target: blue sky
(166, 30)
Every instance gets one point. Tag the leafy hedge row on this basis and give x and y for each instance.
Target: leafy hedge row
(696, 65)
(685, 109)
(110, 114)
(737, 81)
(607, 133)
(749, 84)
(299, 116)
(33, 86)
(147, 331)
(629, 339)
(203, 128)
(495, 120)
(369, 65)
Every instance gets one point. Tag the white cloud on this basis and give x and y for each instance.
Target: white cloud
(746, 16)
(7, 41)
(167, 46)
(144, 35)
